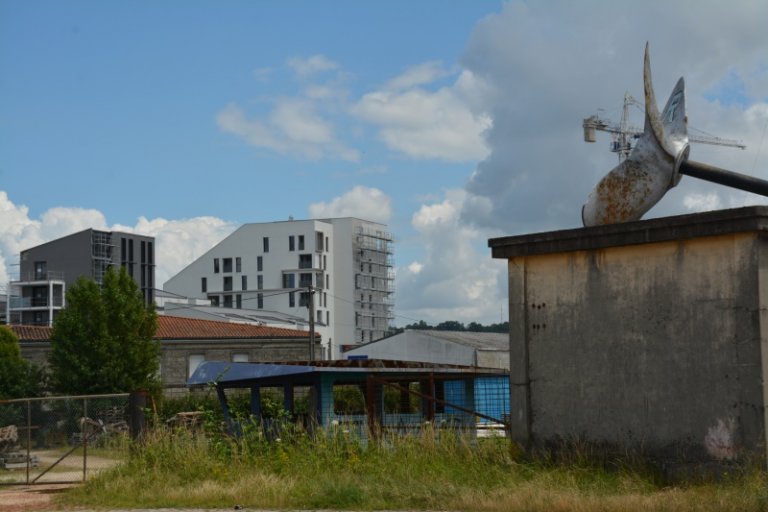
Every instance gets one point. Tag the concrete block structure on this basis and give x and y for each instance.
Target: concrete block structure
(185, 343)
(650, 334)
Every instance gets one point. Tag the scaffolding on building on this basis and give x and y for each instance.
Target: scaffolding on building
(374, 283)
(101, 254)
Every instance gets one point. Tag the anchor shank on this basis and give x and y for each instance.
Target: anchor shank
(724, 177)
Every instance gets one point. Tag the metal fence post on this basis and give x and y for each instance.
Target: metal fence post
(29, 437)
(84, 438)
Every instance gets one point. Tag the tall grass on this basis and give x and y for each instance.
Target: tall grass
(428, 470)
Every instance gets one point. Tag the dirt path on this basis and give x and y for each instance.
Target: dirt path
(29, 498)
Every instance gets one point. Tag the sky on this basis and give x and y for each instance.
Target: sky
(452, 122)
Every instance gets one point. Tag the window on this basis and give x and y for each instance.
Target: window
(203, 284)
(40, 270)
(143, 251)
(318, 241)
(292, 300)
(130, 249)
(239, 358)
(215, 265)
(301, 242)
(193, 362)
(304, 299)
(259, 264)
(305, 280)
(289, 280)
(227, 265)
(327, 280)
(150, 253)
(325, 262)
(244, 283)
(214, 300)
(238, 264)
(305, 261)
(266, 244)
(325, 300)
(357, 319)
(291, 243)
(327, 245)
(239, 301)
(227, 301)
(228, 283)
(123, 249)
(327, 318)
(259, 282)
(260, 301)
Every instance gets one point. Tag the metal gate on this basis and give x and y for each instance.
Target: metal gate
(61, 439)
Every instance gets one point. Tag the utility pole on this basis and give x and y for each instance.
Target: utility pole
(311, 306)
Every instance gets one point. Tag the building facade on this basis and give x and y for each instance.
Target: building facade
(46, 270)
(648, 335)
(342, 266)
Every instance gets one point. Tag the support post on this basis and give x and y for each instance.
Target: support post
(311, 305)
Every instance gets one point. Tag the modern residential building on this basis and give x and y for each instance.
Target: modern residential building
(46, 270)
(347, 263)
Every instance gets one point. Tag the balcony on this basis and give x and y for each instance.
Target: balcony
(40, 276)
(35, 302)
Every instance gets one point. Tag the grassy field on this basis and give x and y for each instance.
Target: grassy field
(333, 471)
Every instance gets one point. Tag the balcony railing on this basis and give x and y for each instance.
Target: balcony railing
(51, 275)
(35, 302)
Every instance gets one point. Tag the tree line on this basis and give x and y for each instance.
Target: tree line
(453, 325)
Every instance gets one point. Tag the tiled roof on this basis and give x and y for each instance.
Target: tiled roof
(178, 328)
(32, 332)
(175, 327)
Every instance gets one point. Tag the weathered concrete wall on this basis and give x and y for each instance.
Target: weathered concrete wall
(660, 344)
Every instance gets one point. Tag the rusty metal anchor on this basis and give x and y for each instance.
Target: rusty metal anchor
(656, 164)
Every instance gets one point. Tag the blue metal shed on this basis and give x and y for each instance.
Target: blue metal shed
(386, 395)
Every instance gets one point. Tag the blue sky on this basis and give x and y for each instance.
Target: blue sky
(450, 121)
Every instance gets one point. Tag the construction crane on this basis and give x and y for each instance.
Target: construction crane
(623, 134)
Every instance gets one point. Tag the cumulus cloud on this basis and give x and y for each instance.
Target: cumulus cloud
(177, 242)
(361, 202)
(455, 279)
(546, 69)
(427, 124)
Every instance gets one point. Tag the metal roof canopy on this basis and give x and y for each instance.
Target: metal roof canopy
(232, 375)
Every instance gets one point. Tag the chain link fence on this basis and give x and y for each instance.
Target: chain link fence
(62, 439)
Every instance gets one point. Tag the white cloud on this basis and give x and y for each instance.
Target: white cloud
(546, 69)
(305, 67)
(294, 127)
(421, 74)
(443, 125)
(361, 202)
(177, 242)
(456, 279)
(702, 202)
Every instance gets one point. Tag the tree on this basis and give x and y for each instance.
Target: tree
(18, 377)
(102, 341)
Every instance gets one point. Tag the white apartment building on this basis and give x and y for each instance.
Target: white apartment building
(347, 262)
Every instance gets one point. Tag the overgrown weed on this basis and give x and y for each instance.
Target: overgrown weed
(290, 467)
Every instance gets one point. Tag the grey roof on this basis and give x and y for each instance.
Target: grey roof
(230, 373)
(476, 340)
